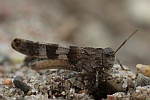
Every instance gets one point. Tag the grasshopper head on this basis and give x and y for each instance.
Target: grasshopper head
(109, 54)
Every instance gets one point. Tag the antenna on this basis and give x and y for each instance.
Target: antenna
(126, 41)
(120, 64)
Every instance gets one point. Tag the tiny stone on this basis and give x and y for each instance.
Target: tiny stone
(2, 98)
(1, 75)
(2, 69)
(18, 73)
(7, 81)
(18, 82)
(63, 93)
(142, 80)
(34, 92)
(137, 91)
(25, 81)
(58, 79)
(133, 76)
(111, 97)
(12, 92)
(40, 88)
(29, 93)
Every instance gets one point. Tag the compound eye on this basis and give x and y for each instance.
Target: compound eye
(108, 52)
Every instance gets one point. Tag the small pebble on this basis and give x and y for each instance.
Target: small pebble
(18, 73)
(143, 69)
(25, 81)
(34, 92)
(7, 81)
(2, 70)
(111, 97)
(2, 98)
(142, 80)
(20, 78)
(18, 82)
(12, 92)
(58, 79)
(1, 75)
(29, 93)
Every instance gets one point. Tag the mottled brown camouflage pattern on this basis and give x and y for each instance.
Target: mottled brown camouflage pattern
(76, 58)
(91, 63)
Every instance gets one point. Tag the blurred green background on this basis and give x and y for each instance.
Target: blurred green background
(96, 23)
